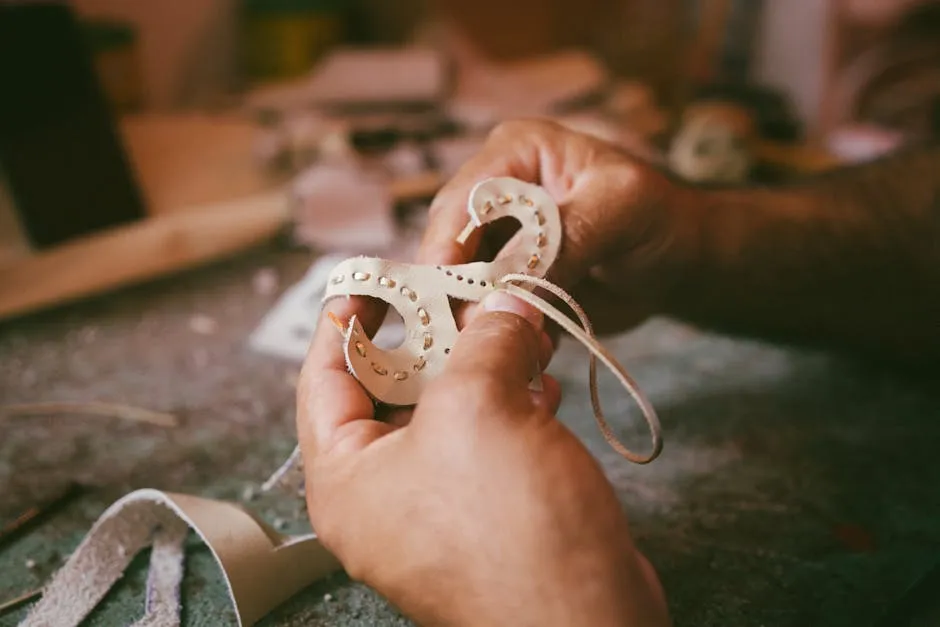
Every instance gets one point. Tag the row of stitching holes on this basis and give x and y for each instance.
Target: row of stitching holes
(408, 293)
(459, 277)
(540, 239)
(423, 316)
(384, 281)
(400, 375)
(505, 199)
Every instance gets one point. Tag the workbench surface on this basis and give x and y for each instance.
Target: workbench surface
(794, 489)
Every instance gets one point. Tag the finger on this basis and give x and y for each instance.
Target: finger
(594, 220)
(610, 311)
(325, 353)
(508, 151)
(464, 312)
(328, 397)
(500, 348)
(549, 398)
(397, 416)
(546, 350)
(554, 334)
(469, 311)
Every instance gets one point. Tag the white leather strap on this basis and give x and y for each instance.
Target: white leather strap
(586, 337)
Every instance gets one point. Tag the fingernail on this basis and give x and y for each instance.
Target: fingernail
(501, 301)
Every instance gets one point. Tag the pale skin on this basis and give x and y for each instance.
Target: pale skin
(478, 507)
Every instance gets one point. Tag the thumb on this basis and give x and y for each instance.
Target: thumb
(499, 347)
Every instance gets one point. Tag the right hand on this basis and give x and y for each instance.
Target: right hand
(481, 508)
(627, 233)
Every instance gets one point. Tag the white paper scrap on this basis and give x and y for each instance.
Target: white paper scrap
(287, 329)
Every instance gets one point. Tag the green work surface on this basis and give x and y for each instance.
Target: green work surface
(794, 489)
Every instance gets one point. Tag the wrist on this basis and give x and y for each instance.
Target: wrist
(627, 593)
(687, 208)
(734, 248)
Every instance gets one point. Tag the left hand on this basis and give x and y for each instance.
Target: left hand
(630, 232)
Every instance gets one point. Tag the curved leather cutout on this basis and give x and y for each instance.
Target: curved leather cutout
(420, 294)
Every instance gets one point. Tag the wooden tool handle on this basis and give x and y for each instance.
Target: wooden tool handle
(139, 251)
(156, 246)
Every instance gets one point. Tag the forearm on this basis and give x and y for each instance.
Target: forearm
(850, 260)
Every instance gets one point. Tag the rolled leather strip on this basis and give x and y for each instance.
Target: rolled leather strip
(262, 568)
(162, 605)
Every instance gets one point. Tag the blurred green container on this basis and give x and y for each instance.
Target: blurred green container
(284, 38)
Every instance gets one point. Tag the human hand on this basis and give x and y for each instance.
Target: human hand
(627, 236)
(480, 507)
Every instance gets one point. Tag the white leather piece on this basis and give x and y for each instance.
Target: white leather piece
(420, 293)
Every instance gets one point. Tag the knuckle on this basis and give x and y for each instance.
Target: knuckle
(505, 129)
(308, 382)
(334, 531)
(513, 129)
(443, 199)
(467, 391)
(574, 258)
(508, 325)
(500, 142)
(578, 232)
(499, 331)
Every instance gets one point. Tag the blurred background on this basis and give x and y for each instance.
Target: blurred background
(354, 111)
(265, 140)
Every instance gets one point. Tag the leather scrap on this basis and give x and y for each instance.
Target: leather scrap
(262, 568)
(162, 605)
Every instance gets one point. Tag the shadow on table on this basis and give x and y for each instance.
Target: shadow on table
(801, 499)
